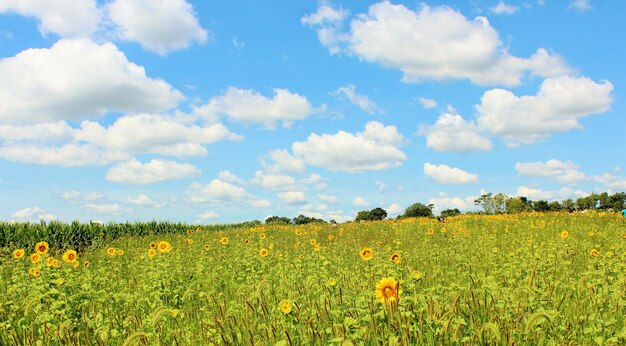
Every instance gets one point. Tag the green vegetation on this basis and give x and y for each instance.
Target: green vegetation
(524, 279)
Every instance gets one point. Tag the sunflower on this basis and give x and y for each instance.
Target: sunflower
(224, 241)
(264, 252)
(331, 237)
(35, 258)
(262, 236)
(431, 231)
(153, 245)
(198, 229)
(298, 232)
(164, 246)
(594, 252)
(34, 272)
(69, 256)
(41, 247)
(120, 252)
(417, 275)
(189, 231)
(313, 242)
(366, 253)
(19, 253)
(387, 290)
(75, 264)
(395, 258)
(86, 264)
(56, 264)
(317, 247)
(50, 261)
(286, 306)
(564, 234)
(111, 251)
(151, 253)
(207, 247)
(247, 241)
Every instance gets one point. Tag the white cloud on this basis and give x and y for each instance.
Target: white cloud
(557, 107)
(380, 185)
(135, 172)
(611, 181)
(374, 149)
(362, 101)
(580, 5)
(283, 161)
(160, 26)
(563, 172)
(427, 103)
(337, 215)
(360, 202)
(260, 203)
(250, 107)
(292, 197)
(229, 177)
(394, 209)
(67, 155)
(144, 201)
(105, 208)
(503, 8)
(158, 134)
(330, 199)
(217, 191)
(559, 195)
(444, 202)
(58, 131)
(209, 215)
(66, 18)
(328, 22)
(452, 133)
(449, 175)
(432, 43)
(83, 197)
(77, 79)
(276, 182)
(31, 215)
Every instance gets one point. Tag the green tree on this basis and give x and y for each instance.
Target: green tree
(450, 212)
(418, 210)
(492, 204)
(378, 214)
(518, 205)
(303, 220)
(541, 205)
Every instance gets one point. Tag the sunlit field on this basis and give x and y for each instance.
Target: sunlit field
(526, 279)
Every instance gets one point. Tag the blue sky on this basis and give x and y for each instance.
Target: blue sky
(227, 111)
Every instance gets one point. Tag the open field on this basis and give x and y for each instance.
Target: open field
(523, 279)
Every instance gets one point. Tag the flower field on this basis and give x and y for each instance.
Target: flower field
(525, 279)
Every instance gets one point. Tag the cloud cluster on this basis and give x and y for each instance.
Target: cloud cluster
(135, 172)
(562, 172)
(449, 175)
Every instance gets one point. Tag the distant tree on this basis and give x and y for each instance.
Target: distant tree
(278, 220)
(303, 220)
(492, 204)
(541, 205)
(363, 215)
(518, 205)
(587, 202)
(569, 205)
(618, 201)
(450, 212)
(418, 210)
(378, 214)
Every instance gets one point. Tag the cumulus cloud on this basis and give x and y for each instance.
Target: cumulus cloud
(158, 134)
(360, 202)
(74, 80)
(449, 175)
(229, 177)
(285, 162)
(216, 191)
(81, 197)
(330, 199)
(292, 197)
(394, 209)
(250, 107)
(112, 208)
(260, 203)
(557, 107)
(349, 92)
(135, 172)
(376, 148)
(276, 182)
(35, 214)
(611, 182)
(558, 195)
(580, 5)
(431, 43)
(144, 201)
(160, 26)
(562, 172)
(66, 18)
(452, 133)
(208, 215)
(328, 22)
(444, 201)
(427, 103)
(67, 155)
(58, 131)
(503, 8)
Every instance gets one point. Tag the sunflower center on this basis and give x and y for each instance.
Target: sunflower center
(389, 292)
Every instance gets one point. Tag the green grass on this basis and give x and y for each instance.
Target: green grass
(481, 280)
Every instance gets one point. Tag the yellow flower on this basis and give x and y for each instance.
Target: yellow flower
(431, 231)
(189, 241)
(224, 241)
(75, 264)
(286, 306)
(111, 251)
(564, 234)
(120, 252)
(317, 247)
(313, 242)
(35, 258)
(151, 253)
(594, 252)
(331, 282)
(331, 237)
(262, 236)
(50, 261)
(189, 231)
(86, 264)
(395, 258)
(298, 232)
(34, 272)
(69, 256)
(416, 275)
(387, 290)
(164, 246)
(207, 247)
(264, 252)
(41, 247)
(19, 253)
(56, 264)
(366, 253)
(153, 245)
